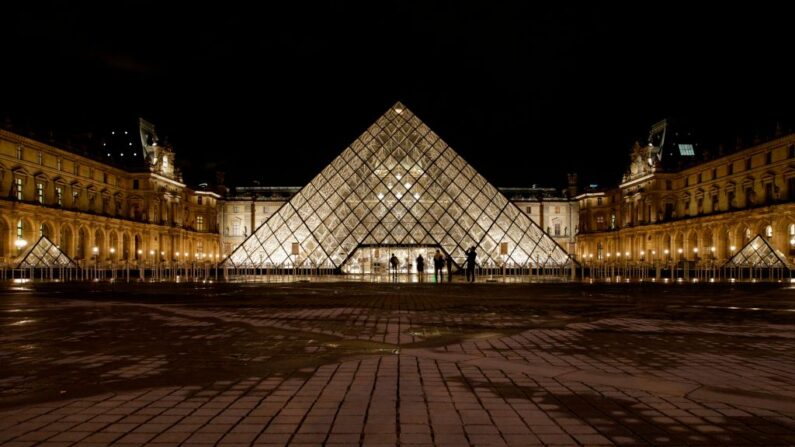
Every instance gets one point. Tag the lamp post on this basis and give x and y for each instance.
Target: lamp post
(641, 269)
(609, 266)
(20, 244)
(655, 265)
(113, 262)
(95, 252)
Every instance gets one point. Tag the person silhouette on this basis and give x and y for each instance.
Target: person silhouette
(471, 260)
(420, 268)
(393, 264)
(449, 260)
(438, 265)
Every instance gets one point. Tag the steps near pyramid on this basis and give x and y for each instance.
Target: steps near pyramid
(397, 184)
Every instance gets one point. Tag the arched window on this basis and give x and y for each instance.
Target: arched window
(20, 229)
(769, 232)
(791, 238)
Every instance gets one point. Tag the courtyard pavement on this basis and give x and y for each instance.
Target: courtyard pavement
(396, 364)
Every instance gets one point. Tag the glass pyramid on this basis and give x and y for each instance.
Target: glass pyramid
(398, 184)
(758, 253)
(45, 254)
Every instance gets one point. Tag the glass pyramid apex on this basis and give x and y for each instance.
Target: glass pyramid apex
(397, 184)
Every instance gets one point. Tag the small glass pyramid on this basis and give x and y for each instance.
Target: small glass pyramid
(45, 254)
(758, 253)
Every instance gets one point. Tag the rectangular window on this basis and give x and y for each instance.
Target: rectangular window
(41, 158)
(687, 181)
(135, 184)
(59, 196)
(769, 192)
(75, 198)
(557, 210)
(200, 223)
(235, 209)
(236, 228)
(40, 192)
(714, 173)
(700, 177)
(598, 201)
(748, 164)
(19, 152)
(199, 200)
(669, 211)
(600, 219)
(18, 187)
(557, 229)
(768, 157)
(529, 209)
(668, 185)
(104, 177)
(59, 164)
(730, 168)
(76, 169)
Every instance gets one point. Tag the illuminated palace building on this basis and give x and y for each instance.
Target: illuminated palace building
(676, 204)
(115, 197)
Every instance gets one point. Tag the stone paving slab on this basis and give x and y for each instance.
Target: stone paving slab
(385, 364)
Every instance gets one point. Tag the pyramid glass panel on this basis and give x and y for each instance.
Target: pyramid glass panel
(397, 184)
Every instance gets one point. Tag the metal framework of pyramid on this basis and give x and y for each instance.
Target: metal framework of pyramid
(45, 254)
(758, 253)
(398, 184)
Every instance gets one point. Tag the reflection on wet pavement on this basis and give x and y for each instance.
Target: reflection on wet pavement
(389, 364)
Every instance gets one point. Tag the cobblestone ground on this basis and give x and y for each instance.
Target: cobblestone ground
(396, 364)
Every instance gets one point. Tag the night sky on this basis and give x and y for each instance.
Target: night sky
(525, 93)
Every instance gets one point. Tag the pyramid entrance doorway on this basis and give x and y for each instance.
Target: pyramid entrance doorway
(374, 259)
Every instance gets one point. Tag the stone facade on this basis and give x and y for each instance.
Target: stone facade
(100, 210)
(704, 212)
(244, 208)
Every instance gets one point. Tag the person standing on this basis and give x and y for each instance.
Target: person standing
(438, 265)
(420, 268)
(471, 259)
(393, 264)
(449, 260)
